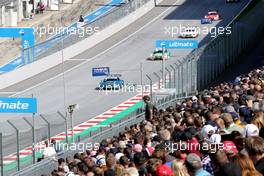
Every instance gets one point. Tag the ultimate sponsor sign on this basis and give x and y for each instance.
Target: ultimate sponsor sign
(101, 71)
(18, 105)
(177, 44)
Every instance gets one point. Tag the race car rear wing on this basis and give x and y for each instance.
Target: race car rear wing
(114, 75)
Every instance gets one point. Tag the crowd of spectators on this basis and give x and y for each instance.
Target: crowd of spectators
(217, 132)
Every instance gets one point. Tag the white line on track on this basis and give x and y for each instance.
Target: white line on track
(9, 92)
(94, 57)
(75, 60)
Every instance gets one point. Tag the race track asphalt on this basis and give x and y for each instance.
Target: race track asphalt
(123, 58)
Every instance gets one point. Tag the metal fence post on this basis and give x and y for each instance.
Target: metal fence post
(178, 73)
(66, 125)
(187, 75)
(174, 79)
(1, 154)
(17, 136)
(33, 140)
(169, 76)
(49, 135)
(182, 75)
(141, 78)
(163, 83)
(150, 85)
(158, 78)
(192, 79)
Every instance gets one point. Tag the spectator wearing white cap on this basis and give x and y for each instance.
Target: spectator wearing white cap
(207, 131)
(251, 130)
(215, 139)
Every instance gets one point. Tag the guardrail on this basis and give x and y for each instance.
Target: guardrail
(225, 50)
(202, 66)
(47, 165)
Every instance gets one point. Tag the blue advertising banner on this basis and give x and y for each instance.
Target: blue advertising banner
(27, 36)
(177, 44)
(18, 105)
(206, 21)
(101, 71)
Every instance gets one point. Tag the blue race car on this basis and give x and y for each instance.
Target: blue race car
(112, 82)
(206, 21)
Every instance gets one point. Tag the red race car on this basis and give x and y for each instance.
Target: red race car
(212, 15)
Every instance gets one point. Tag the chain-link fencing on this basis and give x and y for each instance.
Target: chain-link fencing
(186, 76)
(47, 165)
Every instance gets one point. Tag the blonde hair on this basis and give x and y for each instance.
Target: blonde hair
(258, 120)
(119, 169)
(179, 169)
(248, 168)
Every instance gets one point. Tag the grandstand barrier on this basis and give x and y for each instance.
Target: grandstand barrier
(47, 165)
(203, 65)
(225, 49)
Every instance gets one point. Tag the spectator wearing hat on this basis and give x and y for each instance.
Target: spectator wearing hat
(194, 165)
(100, 158)
(137, 148)
(164, 170)
(230, 148)
(202, 117)
(251, 130)
(207, 131)
(245, 112)
(236, 118)
(215, 139)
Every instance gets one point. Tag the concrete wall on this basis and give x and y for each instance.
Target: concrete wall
(9, 14)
